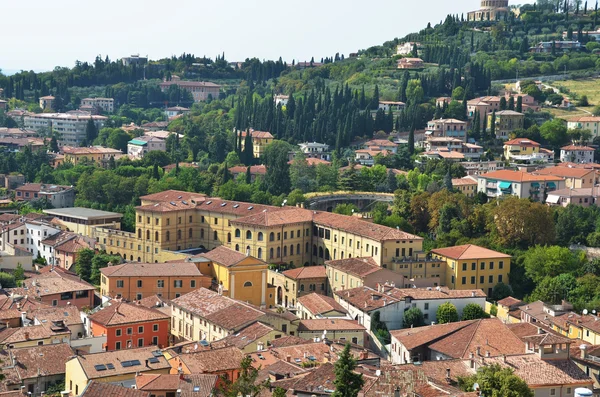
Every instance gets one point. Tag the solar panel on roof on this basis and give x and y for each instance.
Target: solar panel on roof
(135, 362)
(204, 343)
(153, 360)
(157, 353)
(126, 364)
(196, 389)
(100, 367)
(110, 366)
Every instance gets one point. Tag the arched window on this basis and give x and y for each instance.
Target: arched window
(131, 257)
(139, 259)
(247, 284)
(271, 253)
(272, 236)
(260, 236)
(147, 234)
(321, 252)
(155, 236)
(285, 251)
(327, 255)
(229, 237)
(190, 233)
(139, 233)
(179, 234)
(247, 250)
(291, 250)
(168, 238)
(248, 235)
(260, 253)
(342, 255)
(306, 251)
(124, 257)
(237, 247)
(315, 250)
(215, 235)
(279, 252)
(301, 287)
(238, 233)
(202, 233)
(334, 254)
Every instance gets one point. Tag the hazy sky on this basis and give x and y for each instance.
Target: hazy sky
(49, 33)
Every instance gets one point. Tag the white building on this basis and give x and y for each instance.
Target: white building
(281, 99)
(138, 147)
(315, 150)
(577, 154)
(38, 231)
(391, 303)
(518, 183)
(71, 127)
(395, 106)
(175, 111)
(134, 60)
(591, 123)
(407, 48)
(105, 104)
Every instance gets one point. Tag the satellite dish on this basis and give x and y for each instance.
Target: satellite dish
(585, 311)
(476, 386)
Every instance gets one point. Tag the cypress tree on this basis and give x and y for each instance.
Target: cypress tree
(493, 126)
(511, 103)
(248, 176)
(519, 106)
(155, 173)
(347, 383)
(248, 155)
(411, 140)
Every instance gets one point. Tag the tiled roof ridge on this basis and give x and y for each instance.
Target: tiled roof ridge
(472, 336)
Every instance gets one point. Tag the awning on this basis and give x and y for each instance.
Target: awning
(535, 184)
(553, 199)
(138, 142)
(505, 185)
(551, 184)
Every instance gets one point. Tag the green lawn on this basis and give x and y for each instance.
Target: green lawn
(589, 87)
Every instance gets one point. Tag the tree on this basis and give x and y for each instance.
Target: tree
(522, 223)
(278, 175)
(99, 262)
(496, 381)
(501, 291)
(550, 261)
(19, 274)
(83, 263)
(519, 106)
(447, 313)
(413, 317)
(279, 392)
(54, 144)
(493, 125)
(7, 280)
(248, 154)
(347, 382)
(345, 209)
(391, 182)
(554, 132)
(473, 311)
(246, 384)
(91, 132)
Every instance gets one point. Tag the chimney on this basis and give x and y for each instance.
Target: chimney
(448, 373)
(26, 335)
(288, 358)
(478, 351)
(147, 364)
(504, 358)
(487, 354)
(583, 349)
(365, 354)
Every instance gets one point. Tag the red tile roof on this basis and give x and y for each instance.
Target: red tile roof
(285, 216)
(225, 256)
(32, 362)
(120, 313)
(254, 170)
(258, 134)
(359, 227)
(173, 195)
(360, 267)
(565, 172)
(319, 304)
(510, 301)
(577, 148)
(212, 361)
(104, 389)
(519, 176)
(468, 251)
(184, 269)
(329, 325)
(306, 272)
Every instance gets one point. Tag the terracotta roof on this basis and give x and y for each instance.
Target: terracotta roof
(220, 310)
(300, 273)
(20, 303)
(319, 304)
(537, 372)
(173, 195)
(32, 362)
(329, 325)
(225, 256)
(489, 335)
(161, 382)
(126, 313)
(280, 369)
(184, 269)
(244, 337)
(32, 333)
(468, 251)
(69, 314)
(59, 238)
(547, 339)
(254, 170)
(89, 362)
(586, 119)
(564, 172)
(213, 361)
(508, 113)
(151, 302)
(510, 301)
(445, 153)
(286, 341)
(74, 245)
(258, 134)
(463, 181)
(521, 142)
(237, 208)
(199, 385)
(89, 150)
(286, 216)
(315, 161)
(577, 148)
(359, 227)
(415, 337)
(104, 389)
(55, 281)
(360, 267)
(170, 167)
(380, 142)
(581, 192)
(519, 176)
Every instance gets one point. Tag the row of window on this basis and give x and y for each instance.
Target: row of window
(482, 266)
(129, 330)
(159, 283)
(140, 343)
(261, 237)
(482, 279)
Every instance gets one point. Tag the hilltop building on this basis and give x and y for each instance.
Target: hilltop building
(490, 10)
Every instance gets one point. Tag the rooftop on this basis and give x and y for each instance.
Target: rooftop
(254, 170)
(184, 269)
(122, 362)
(224, 256)
(245, 336)
(172, 195)
(52, 282)
(564, 172)
(285, 216)
(89, 150)
(519, 176)
(577, 148)
(120, 313)
(468, 251)
(329, 325)
(198, 385)
(360, 267)
(24, 334)
(212, 361)
(258, 134)
(306, 272)
(104, 389)
(82, 213)
(319, 304)
(32, 362)
(521, 142)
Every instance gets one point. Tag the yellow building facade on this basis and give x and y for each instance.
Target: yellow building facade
(506, 122)
(472, 267)
(260, 141)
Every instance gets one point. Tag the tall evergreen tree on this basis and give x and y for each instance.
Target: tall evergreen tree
(91, 132)
(248, 155)
(493, 126)
(347, 383)
(411, 141)
(519, 106)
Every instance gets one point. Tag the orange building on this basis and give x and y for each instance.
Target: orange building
(128, 326)
(224, 362)
(136, 281)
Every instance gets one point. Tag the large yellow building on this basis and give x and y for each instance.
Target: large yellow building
(506, 122)
(260, 141)
(472, 267)
(93, 154)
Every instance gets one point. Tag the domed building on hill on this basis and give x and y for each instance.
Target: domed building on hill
(491, 10)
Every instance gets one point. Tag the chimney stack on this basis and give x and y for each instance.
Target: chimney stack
(288, 358)
(478, 351)
(583, 349)
(26, 335)
(487, 354)
(447, 373)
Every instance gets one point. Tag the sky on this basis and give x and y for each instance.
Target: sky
(57, 33)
